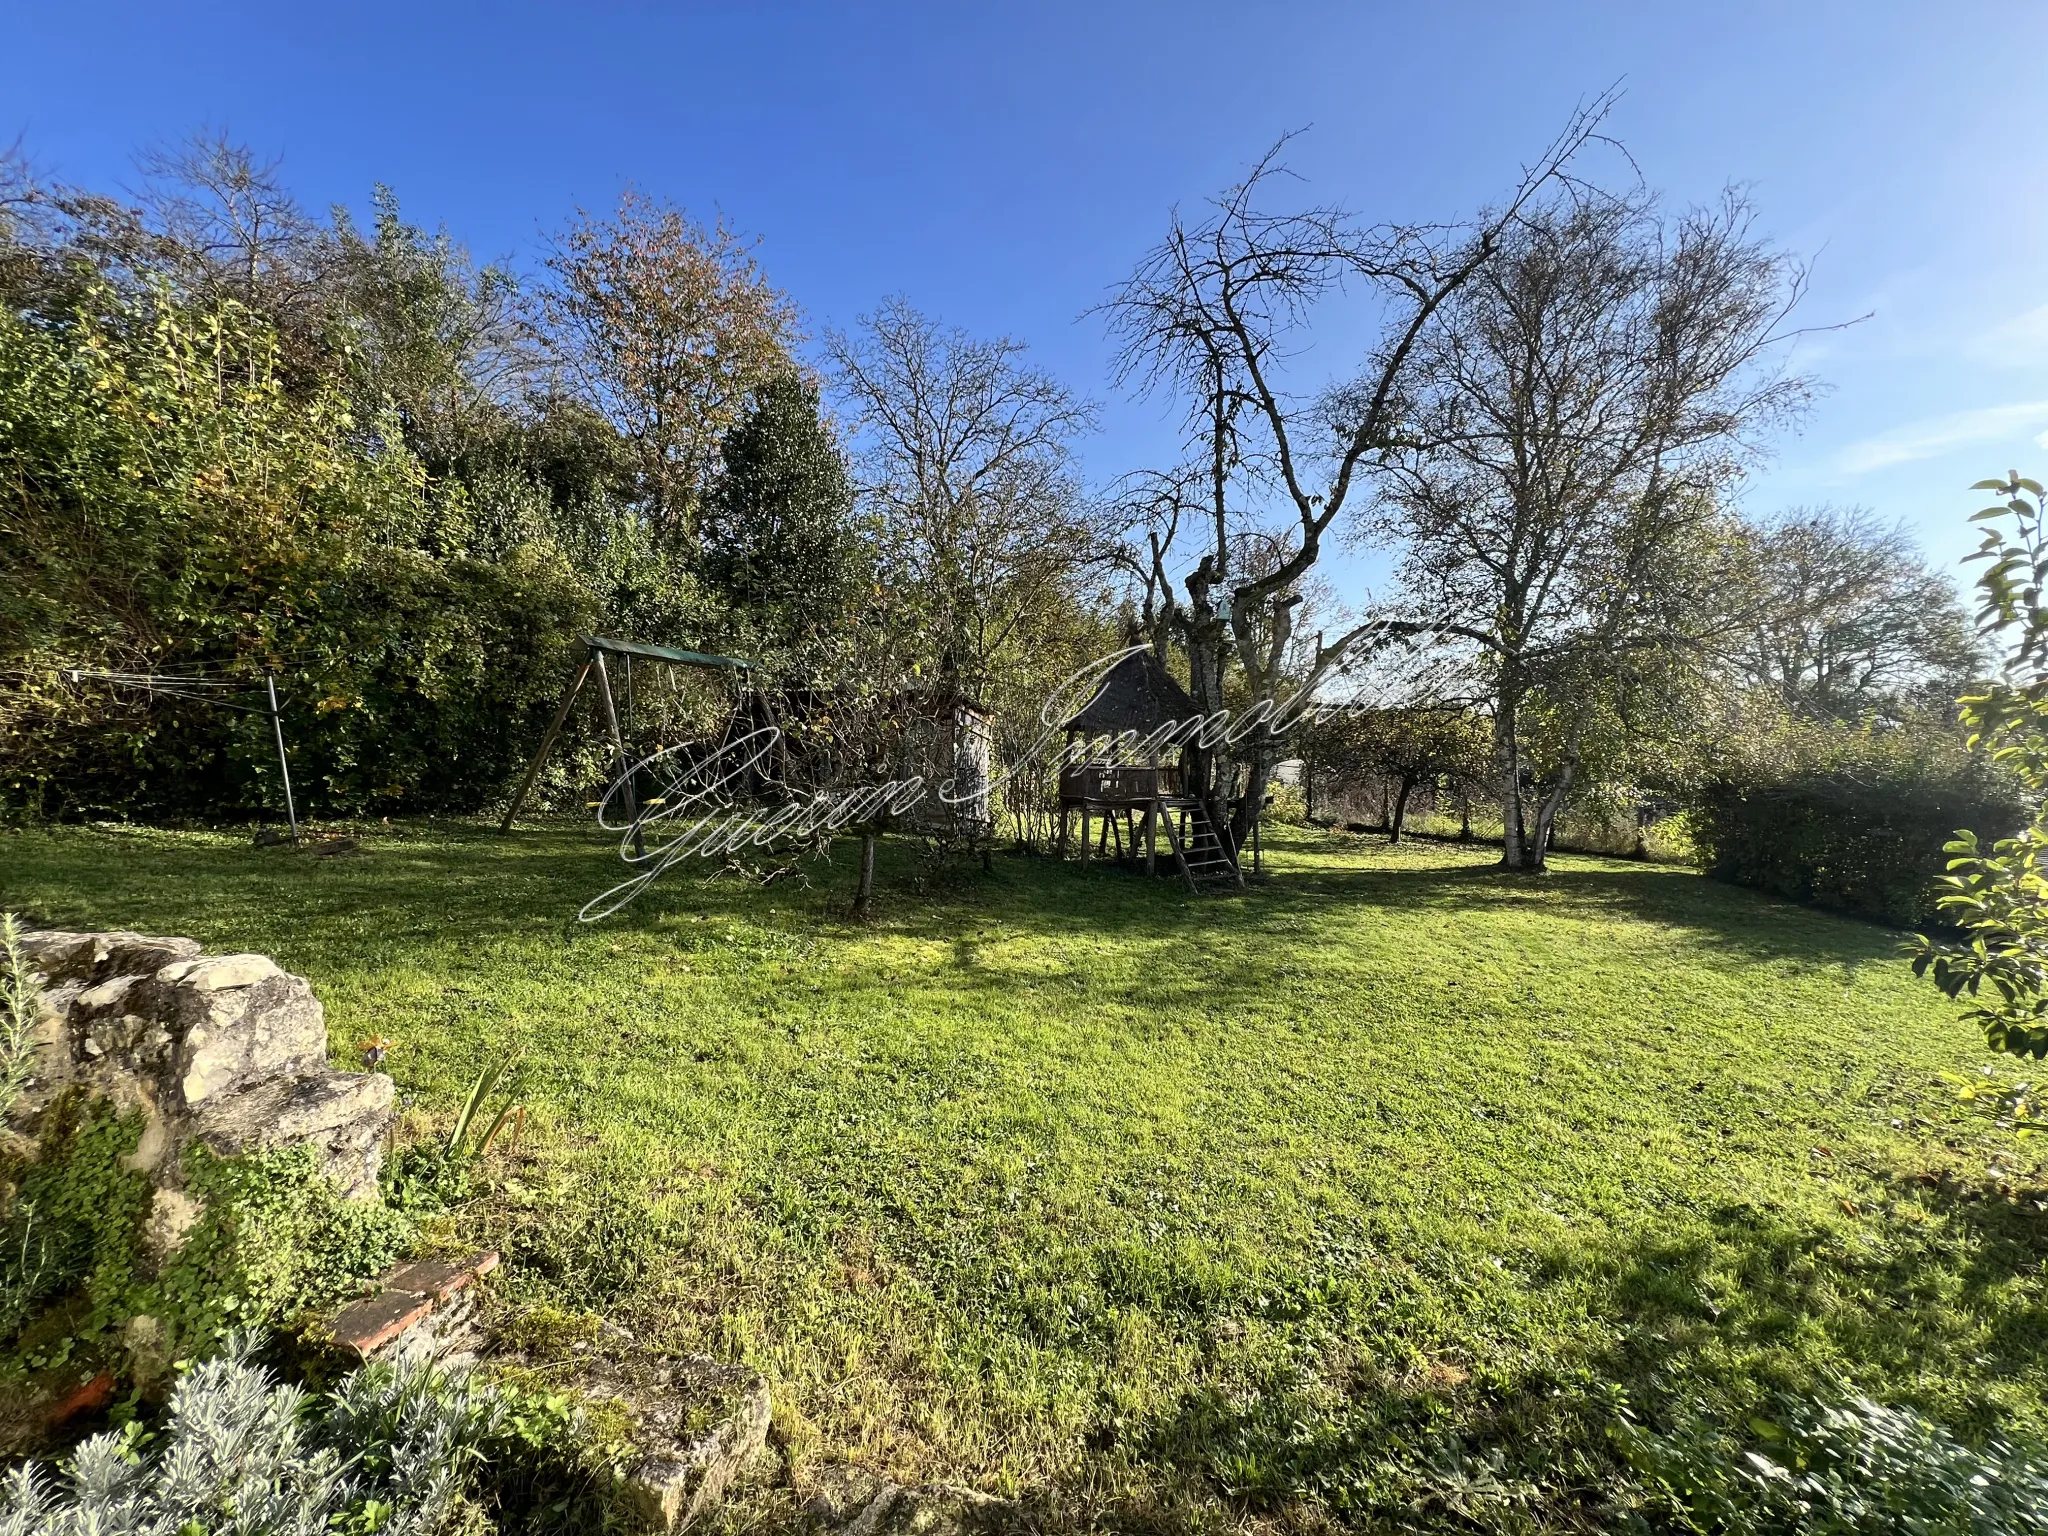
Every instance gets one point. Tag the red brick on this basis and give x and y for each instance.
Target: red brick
(367, 1326)
(89, 1397)
(440, 1278)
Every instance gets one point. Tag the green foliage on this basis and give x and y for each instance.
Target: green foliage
(75, 1220)
(1849, 817)
(1844, 1468)
(178, 508)
(1999, 898)
(778, 545)
(2012, 1104)
(429, 1177)
(551, 1465)
(273, 1241)
(393, 1450)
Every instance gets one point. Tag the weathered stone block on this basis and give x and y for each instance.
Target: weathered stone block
(696, 1424)
(224, 1049)
(87, 957)
(343, 1116)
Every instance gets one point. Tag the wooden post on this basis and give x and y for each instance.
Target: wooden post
(554, 729)
(1152, 836)
(611, 720)
(864, 891)
(1084, 834)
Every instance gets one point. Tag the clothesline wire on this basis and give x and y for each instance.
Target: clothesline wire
(198, 689)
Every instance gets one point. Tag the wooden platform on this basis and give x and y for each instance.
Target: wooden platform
(1133, 803)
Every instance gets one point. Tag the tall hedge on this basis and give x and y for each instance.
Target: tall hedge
(1848, 817)
(169, 506)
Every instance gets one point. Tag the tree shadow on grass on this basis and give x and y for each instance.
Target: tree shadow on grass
(443, 878)
(1659, 909)
(1725, 1310)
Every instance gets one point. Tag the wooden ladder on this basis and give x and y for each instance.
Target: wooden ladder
(1201, 857)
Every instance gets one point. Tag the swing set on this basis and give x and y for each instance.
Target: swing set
(595, 650)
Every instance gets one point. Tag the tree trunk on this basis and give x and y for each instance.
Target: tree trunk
(1258, 768)
(864, 891)
(1553, 802)
(1400, 810)
(1512, 843)
(1507, 760)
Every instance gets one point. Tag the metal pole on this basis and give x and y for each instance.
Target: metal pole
(283, 766)
(611, 720)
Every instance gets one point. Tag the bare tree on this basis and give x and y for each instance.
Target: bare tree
(1213, 314)
(667, 328)
(240, 232)
(965, 456)
(1853, 621)
(1578, 412)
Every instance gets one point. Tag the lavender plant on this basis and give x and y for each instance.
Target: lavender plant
(21, 1006)
(388, 1451)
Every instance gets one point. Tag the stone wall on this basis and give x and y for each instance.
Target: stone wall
(226, 1051)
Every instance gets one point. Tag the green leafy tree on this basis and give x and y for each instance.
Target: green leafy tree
(1999, 897)
(780, 550)
(1404, 747)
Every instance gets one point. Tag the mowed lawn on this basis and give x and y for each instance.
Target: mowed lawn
(1360, 1190)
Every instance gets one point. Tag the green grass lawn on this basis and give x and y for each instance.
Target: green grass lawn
(1352, 1192)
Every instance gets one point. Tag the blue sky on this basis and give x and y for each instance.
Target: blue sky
(1003, 166)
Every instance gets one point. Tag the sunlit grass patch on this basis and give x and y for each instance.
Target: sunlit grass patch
(1071, 1182)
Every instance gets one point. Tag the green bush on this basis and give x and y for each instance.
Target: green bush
(1853, 818)
(274, 1239)
(175, 508)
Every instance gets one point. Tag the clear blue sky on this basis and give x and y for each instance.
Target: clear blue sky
(1003, 165)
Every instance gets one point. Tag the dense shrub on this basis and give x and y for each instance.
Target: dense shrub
(1853, 818)
(173, 508)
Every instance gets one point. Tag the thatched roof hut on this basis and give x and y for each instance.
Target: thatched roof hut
(1137, 694)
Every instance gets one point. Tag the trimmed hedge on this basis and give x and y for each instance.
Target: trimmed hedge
(1847, 817)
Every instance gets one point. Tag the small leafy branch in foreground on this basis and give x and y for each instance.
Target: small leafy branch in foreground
(2009, 1103)
(1846, 1468)
(1999, 898)
(21, 1006)
(392, 1450)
